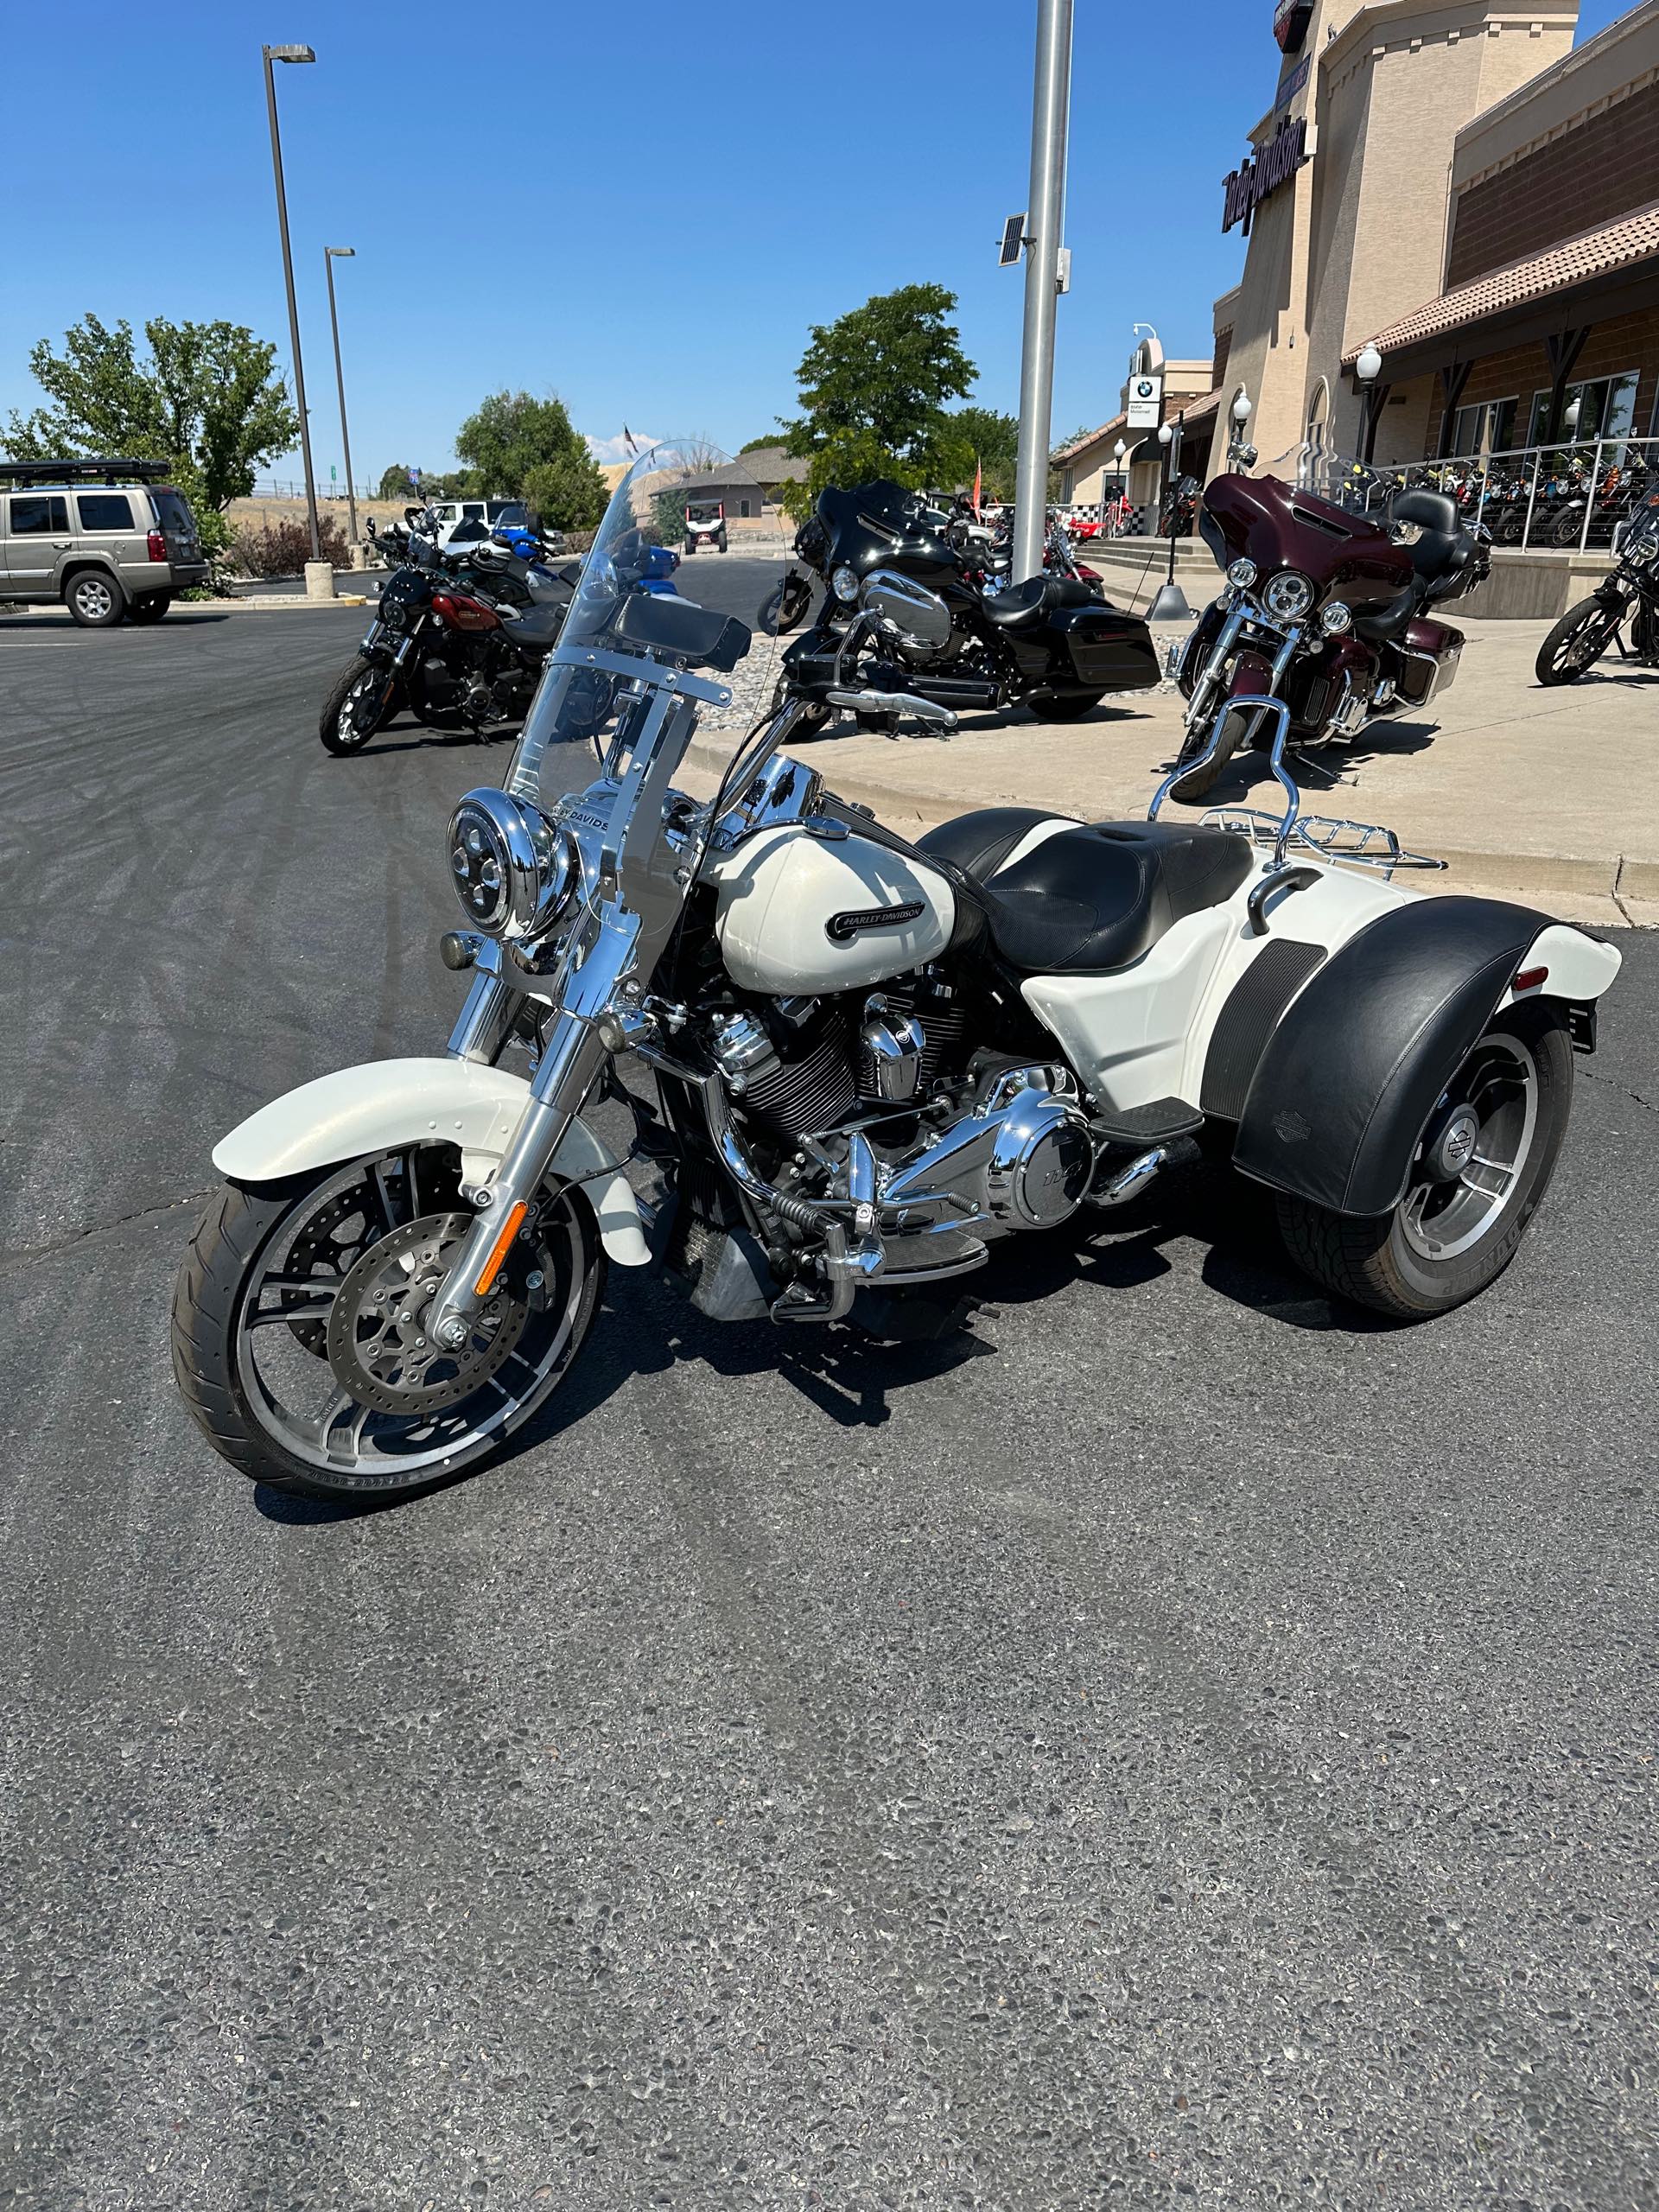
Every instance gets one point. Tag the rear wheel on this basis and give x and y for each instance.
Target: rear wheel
(95, 600)
(297, 1336)
(1482, 1165)
(1196, 784)
(1577, 642)
(362, 701)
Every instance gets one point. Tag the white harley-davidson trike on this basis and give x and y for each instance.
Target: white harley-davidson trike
(858, 1062)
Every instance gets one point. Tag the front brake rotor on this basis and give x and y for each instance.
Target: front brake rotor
(378, 1345)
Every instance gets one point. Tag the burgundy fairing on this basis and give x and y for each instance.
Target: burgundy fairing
(1277, 527)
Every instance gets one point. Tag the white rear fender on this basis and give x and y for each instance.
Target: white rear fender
(1576, 966)
(359, 1111)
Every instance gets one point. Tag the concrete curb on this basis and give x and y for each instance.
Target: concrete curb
(1610, 889)
(275, 602)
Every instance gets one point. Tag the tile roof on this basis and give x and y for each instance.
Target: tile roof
(1081, 444)
(1194, 410)
(1597, 253)
(773, 465)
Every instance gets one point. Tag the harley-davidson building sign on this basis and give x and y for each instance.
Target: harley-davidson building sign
(1251, 182)
(1471, 191)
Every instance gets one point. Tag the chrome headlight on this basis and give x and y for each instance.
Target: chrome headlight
(514, 870)
(844, 583)
(1336, 618)
(1288, 597)
(1242, 573)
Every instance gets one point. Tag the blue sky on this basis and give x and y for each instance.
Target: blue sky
(639, 208)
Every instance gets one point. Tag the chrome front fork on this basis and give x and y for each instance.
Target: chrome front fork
(572, 1057)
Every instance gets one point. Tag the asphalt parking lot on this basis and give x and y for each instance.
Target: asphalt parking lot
(1175, 1742)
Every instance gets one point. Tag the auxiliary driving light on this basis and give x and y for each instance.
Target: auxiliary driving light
(1336, 618)
(1242, 573)
(843, 582)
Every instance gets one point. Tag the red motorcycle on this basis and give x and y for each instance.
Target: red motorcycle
(1327, 607)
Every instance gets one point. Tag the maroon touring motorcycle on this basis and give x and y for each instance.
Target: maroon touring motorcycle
(1331, 585)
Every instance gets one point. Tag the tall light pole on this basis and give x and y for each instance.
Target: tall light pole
(1050, 99)
(292, 54)
(330, 255)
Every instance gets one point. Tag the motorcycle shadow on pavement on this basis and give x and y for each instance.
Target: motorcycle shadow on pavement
(411, 736)
(857, 1381)
(1314, 773)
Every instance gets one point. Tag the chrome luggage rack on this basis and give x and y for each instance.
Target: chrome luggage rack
(1326, 837)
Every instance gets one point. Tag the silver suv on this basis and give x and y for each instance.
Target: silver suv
(109, 538)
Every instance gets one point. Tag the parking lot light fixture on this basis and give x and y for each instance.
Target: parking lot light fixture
(292, 54)
(331, 254)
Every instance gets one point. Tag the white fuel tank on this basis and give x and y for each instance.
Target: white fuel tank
(797, 913)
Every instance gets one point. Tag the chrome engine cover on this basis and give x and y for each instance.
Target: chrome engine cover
(1022, 1158)
(1041, 1162)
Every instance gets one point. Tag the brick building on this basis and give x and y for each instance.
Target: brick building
(1456, 183)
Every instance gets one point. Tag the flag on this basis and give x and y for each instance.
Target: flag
(978, 479)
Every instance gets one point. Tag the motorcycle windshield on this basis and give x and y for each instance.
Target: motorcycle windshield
(654, 612)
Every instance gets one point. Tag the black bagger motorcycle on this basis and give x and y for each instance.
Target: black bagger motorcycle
(905, 620)
(1629, 593)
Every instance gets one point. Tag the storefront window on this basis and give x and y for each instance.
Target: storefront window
(1488, 426)
(1607, 408)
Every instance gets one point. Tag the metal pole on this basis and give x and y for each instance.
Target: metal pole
(1590, 497)
(1171, 478)
(1526, 527)
(1051, 98)
(339, 379)
(293, 310)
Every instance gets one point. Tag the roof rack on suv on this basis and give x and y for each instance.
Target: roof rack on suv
(84, 471)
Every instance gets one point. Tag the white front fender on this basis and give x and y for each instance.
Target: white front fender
(384, 1103)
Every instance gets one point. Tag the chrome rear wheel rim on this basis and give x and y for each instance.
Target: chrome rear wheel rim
(1471, 1164)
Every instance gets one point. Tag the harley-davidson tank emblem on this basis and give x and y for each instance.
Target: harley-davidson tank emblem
(841, 929)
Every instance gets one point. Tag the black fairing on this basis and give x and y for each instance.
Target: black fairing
(1350, 1076)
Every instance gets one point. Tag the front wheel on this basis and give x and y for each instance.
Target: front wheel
(1482, 1165)
(298, 1342)
(360, 703)
(1577, 642)
(1196, 783)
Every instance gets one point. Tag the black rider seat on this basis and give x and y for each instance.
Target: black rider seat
(535, 627)
(1025, 602)
(1439, 548)
(1092, 898)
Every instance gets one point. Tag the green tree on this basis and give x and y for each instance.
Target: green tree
(979, 436)
(753, 445)
(397, 482)
(874, 386)
(209, 401)
(512, 433)
(568, 492)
